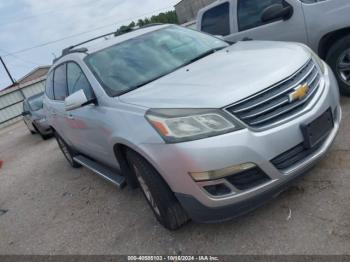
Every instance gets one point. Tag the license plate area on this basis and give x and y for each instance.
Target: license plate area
(317, 130)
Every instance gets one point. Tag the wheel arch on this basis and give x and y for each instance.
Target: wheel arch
(120, 148)
(329, 39)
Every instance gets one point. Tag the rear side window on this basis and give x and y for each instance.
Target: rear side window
(216, 21)
(60, 83)
(77, 81)
(250, 12)
(49, 86)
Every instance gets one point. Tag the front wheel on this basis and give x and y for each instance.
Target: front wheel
(44, 137)
(160, 198)
(338, 58)
(67, 151)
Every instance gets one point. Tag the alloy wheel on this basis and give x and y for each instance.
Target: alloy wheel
(65, 150)
(146, 190)
(343, 67)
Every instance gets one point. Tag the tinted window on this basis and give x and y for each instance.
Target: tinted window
(312, 1)
(49, 86)
(77, 80)
(60, 83)
(250, 11)
(216, 21)
(141, 60)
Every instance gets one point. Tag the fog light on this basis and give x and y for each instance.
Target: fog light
(218, 190)
(217, 174)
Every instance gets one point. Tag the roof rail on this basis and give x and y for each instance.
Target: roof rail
(69, 49)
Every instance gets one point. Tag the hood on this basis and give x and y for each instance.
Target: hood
(224, 77)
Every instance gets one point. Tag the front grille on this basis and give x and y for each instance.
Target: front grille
(273, 104)
(295, 155)
(248, 179)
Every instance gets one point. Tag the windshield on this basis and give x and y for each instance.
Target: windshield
(136, 62)
(36, 103)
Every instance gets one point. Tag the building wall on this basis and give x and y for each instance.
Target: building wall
(11, 101)
(187, 10)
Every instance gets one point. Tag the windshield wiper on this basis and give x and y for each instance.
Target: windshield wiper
(207, 53)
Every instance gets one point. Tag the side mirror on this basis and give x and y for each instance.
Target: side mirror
(75, 100)
(275, 12)
(26, 113)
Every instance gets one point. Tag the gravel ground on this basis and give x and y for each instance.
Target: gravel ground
(46, 207)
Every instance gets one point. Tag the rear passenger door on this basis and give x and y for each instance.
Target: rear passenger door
(57, 110)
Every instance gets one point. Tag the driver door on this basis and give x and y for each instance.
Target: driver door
(85, 123)
(248, 22)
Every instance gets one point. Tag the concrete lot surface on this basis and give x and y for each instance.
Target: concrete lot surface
(46, 207)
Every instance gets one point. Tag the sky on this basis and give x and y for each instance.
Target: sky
(28, 23)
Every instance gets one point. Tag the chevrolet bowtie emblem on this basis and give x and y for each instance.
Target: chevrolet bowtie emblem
(299, 93)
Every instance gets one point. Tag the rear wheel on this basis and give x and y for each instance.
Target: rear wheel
(338, 57)
(67, 151)
(160, 198)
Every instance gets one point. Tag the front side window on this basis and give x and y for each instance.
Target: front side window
(141, 60)
(60, 83)
(76, 81)
(216, 21)
(36, 103)
(250, 12)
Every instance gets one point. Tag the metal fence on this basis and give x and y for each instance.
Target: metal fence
(11, 100)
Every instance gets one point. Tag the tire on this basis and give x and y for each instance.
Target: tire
(44, 137)
(67, 151)
(338, 58)
(32, 132)
(160, 198)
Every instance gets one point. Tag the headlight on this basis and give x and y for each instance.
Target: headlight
(180, 125)
(316, 58)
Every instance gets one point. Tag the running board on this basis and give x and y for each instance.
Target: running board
(106, 173)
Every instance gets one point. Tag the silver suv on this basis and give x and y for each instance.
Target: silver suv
(208, 130)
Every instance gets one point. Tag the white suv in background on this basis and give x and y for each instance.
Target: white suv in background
(323, 25)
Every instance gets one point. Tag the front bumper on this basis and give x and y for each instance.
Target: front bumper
(175, 161)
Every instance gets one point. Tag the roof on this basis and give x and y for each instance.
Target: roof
(124, 37)
(36, 73)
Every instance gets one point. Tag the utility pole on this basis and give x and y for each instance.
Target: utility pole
(7, 71)
(10, 76)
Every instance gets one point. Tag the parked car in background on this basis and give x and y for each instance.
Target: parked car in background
(34, 117)
(323, 25)
(208, 130)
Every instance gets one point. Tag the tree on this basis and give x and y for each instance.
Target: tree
(169, 17)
